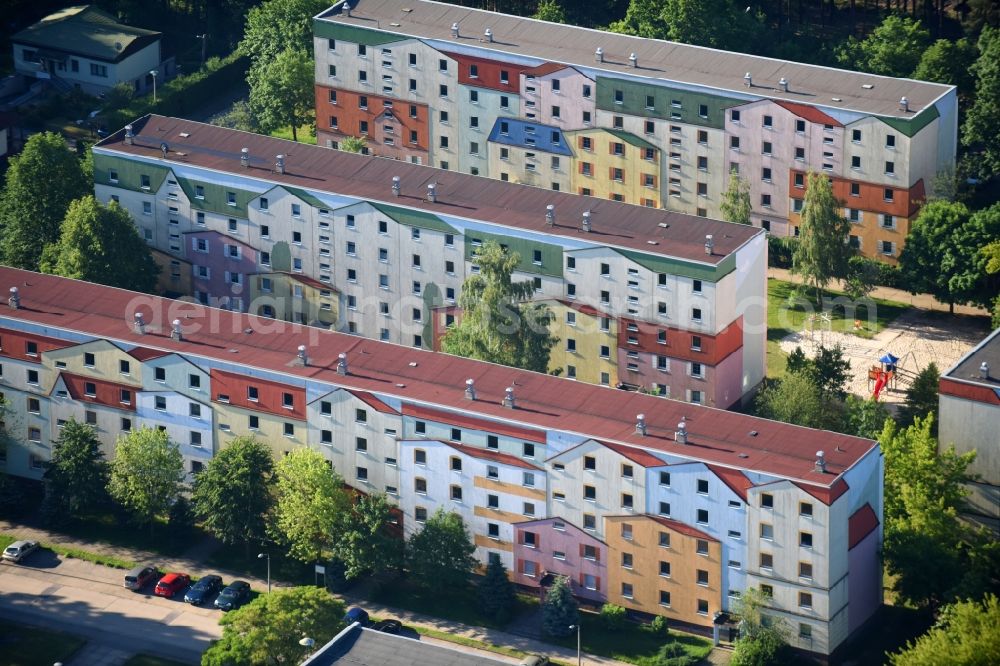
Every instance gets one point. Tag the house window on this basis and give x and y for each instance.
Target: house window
(703, 577)
(767, 500)
(805, 539)
(766, 531)
(703, 516)
(664, 508)
(456, 493)
(805, 600)
(419, 457)
(805, 509)
(805, 570)
(420, 486)
(664, 542)
(420, 514)
(702, 547)
(766, 561)
(702, 607)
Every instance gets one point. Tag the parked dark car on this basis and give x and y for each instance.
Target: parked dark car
(203, 589)
(233, 596)
(388, 626)
(355, 614)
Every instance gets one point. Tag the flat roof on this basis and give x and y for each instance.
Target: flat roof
(434, 380)
(967, 367)
(361, 646)
(648, 230)
(657, 59)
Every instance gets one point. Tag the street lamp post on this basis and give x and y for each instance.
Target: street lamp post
(261, 556)
(154, 73)
(202, 37)
(579, 655)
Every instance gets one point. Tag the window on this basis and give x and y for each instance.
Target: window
(805, 540)
(419, 457)
(627, 501)
(456, 493)
(664, 508)
(702, 547)
(528, 450)
(702, 607)
(589, 462)
(734, 143)
(800, 154)
(590, 493)
(805, 600)
(805, 631)
(766, 531)
(289, 430)
(766, 150)
(805, 570)
(33, 377)
(768, 122)
(420, 514)
(664, 542)
(703, 577)
(805, 509)
(890, 140)
(766, 561)
(420, 486)
(703, 516)
(767, 500)
(360, 416)
(702, 486)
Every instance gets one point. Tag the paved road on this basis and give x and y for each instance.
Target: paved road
(89, 600)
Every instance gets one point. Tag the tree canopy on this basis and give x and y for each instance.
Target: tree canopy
(736, 200)
(101, 244)
(439, 556)
(965, 633)
(922, 398)
(894, 48)
(550, 10)
(76, 476)
(821, 253)
(309, 499)
(364, 540)
(146, 473)
(496, 592)
(281, 91)
(719, 24)
(949, 62)
(560, 609)
(796, 398)
(276, 25)
(979, 132)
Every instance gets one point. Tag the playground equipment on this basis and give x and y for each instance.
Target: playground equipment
(884, 376)
(820, 321)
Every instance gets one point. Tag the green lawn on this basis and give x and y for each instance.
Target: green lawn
(634, 643)
(305, 133)
(29, 646)
(149, 660)
(458, 606)
(785, 317)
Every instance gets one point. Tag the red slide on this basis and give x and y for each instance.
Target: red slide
(883, 379)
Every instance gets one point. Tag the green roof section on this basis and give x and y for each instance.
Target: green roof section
(910, 126)
(305, 196)
(86, 31)
(349, 33)
(667, 103)
(414, 218)
(551, 262)
(128, 173)
(660, 264)
(628, 137)
(215, 198)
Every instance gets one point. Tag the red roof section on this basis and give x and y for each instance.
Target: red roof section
(373, 402)
(545, 68)
(969, 391)
(678, 526)
(810, 113)
(106, 393)
(490, 454)
(638, 456)
(734, 478)
(861, 523)
(432, 385)
(829, 494)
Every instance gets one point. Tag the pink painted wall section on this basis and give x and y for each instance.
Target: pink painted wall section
(720, 385)
(569, 542)
(864, 582)
(728, 384)
(569, 98)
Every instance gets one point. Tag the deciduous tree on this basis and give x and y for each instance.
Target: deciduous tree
(76, 477)
(865, 417)
(950, 62)
(965, 633)
(922, 398)
(310, 497)
(276, 25)
(146, 473)
(364, 540)
(821, 253)
(439, 556)
(979, 132)
(893, 48)
(796, 398)
(560, 610)
(550, 10)
(735, 203)
(353, 144)
(281, 91)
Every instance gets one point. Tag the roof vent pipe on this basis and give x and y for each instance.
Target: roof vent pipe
(245, 158)
(820, 462)
(640, 424)
(395, 186)
(709, 244)
(129, 137)
(488, 35)
(140, 324)
(175, 332)
(508, 398)
(279, 163)
(984, 368)
(748, 79)
(15, 299)
(164, 149)
(470, 389)
(783, 82)
(342, 363)
(454, 30)
(681, 434)
(550, 215)
(301, 358)
(633, 60)
(586, 221)
(599, 54)
(904, 104)
(347, 9)
(432, 192)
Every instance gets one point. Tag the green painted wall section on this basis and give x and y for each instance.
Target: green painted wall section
(129, 173)
(628, 137)
(552, 255)
(910, 126)
(415, 218)
(350, 33)
(659, 264)
(215, 199)
(634, 102)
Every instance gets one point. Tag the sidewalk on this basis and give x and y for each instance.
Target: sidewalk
(922, 301)
(196, 568)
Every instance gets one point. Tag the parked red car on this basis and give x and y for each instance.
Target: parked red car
(171, 584)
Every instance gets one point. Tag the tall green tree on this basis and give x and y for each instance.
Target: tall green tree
(965, 633)
(281, 91)
(100, 244)
(991, 253)
(353, 144)
(276, 25)
(233, 495)
(560, 610)
(146, 473)
(643, 18)
(893, 48)
(364, 540)
(496, 325)
(268, 629)
(721, 24)
(759, 644)
(310, 496)
(865, 417)
(496, 592)
(980, 132)
(76, 477)
(439, 556)
(41, 182)
(950, 62)
(550, 10)
(821, 253)
(735, 203)
(796, 398)
(922, 398)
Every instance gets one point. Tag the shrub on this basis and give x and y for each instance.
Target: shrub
(779, 251)
(180, 518)
(613, 616)
(671, 654)
(658, 625)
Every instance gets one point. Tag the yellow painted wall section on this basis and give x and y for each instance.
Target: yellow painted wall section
(270, 429)
(569, 324)
(596, 168)
(107, 363)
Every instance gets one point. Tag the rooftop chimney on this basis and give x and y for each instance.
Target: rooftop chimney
(129, 137)
(245, 158)
(140, 324)
(395, 186)
(599, 54)
(550, 215)
(347, 9)
(984, 368)
(586, 220)
(15, 299)
(431, 192)
(904, 104)
(488, 35)
(175, 333)
(709, 244)
(820, 462)
(640, 424)
(508, 398)
(470, 389)
(784, 84)
(633, 60)
(279, 163)
(341, 363)
(681, 434)
(454, 30)
(748, 79)
(301, 358)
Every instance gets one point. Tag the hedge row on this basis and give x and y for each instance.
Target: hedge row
(781, 249)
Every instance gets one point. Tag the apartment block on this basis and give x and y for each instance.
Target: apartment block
(664, 507)
(685, 116)
(642, 297)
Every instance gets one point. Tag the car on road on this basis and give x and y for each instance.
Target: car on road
(139, 577)
(171, 584)
(19, 550)
(203, 589)
(355, 614)
(388, 626)
(234, 596)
